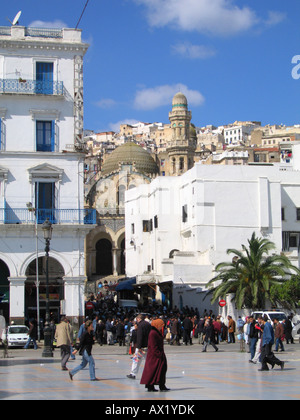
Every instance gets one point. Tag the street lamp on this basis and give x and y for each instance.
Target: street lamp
(47, 351)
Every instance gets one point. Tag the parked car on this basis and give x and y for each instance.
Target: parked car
(271, 315)
(16, 335)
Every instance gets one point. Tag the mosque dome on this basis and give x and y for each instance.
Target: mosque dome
(179, 100)
(130, 154)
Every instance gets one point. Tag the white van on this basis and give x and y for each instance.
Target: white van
(271, 315)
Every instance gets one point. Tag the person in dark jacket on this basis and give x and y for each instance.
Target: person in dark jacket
(267, 356)
(120, 332)
(209, 334)
(156, 362)
(253, 335)
(32, 334)
(175, 331)
(187, 329)
(85, 349)
(142, 334)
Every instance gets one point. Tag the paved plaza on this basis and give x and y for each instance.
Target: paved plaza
(192, 376)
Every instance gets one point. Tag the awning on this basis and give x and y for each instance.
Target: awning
(126, 284)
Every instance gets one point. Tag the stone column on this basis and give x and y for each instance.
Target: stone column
(74, 300)
(115, 261)
(17, 299)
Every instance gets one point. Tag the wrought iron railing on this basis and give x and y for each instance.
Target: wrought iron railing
(61, 216)
(22, 86)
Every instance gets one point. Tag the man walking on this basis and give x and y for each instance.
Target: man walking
(143, 330)
(279, 335)
(64, 341)
(267, 357)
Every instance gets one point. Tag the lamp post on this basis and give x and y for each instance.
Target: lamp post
(47, 351)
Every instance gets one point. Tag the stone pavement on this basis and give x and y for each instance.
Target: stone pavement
(192, 376)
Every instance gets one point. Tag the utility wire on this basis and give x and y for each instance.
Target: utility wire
(82, 13)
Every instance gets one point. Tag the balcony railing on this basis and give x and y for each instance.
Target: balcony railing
(31, 87)
(61, 216)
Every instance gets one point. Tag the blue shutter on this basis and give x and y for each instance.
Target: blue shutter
(45, 136)
(44, 78)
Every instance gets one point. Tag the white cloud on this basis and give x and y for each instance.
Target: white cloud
(42, 24)
(106, 103)
(217, 17)
(274, 18)
(187, 50)
(151, 98)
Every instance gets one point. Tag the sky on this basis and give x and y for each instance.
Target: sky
(235, 60)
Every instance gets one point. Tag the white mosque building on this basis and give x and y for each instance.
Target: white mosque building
(179, 228)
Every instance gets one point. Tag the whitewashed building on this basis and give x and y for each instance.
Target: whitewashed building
(41, 171)
(179, 228)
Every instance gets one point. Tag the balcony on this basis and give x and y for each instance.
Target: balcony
(31, 87)
(60, 217)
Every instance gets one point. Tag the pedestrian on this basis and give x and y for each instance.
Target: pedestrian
(110, 332)
(133, 338)
(143, 330)
(209, 336)
(85, 350)
(267, 357)
(175, 331)
(32, 334)
(100, 332)
(279, 335)
(288, 328)
(253, 335)
(231, 329)
(187, 330)
(259, 327)
(64, 341)
(156, 362)
(120, 332)
(217, 328)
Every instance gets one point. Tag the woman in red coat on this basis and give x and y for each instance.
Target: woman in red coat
(156, 362)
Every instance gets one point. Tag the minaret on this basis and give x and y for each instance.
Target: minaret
(181, 147)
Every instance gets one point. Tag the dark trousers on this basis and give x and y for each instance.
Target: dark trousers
(65, 352)
(187, 336)
(268, 357)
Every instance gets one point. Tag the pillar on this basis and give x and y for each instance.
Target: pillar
(17, 299)
(74, 300)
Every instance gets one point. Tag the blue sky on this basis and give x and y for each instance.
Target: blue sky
(232, 59)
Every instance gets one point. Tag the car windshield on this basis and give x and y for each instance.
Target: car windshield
(280, 317)
(18, 330)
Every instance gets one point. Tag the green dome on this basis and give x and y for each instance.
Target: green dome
(130, 154)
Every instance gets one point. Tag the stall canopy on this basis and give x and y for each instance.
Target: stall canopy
(126, 284)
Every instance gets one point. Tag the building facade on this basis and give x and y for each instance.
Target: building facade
(195, 218)
(41, 171)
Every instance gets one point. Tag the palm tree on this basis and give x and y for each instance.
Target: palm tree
(251, 274)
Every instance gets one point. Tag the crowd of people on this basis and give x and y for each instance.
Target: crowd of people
(145, 334)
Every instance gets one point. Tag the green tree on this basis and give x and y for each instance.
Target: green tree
(251, 274)
(287, 294)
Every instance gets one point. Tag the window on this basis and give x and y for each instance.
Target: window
(132, 229)
(45, 136)
(294, 240)
(45, 201)
(184, 213)
(155, 222)
(298, 213)
(44, 78)
(146, 226)
(282, 213)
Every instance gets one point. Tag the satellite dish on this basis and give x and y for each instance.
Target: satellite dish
(16, 19)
